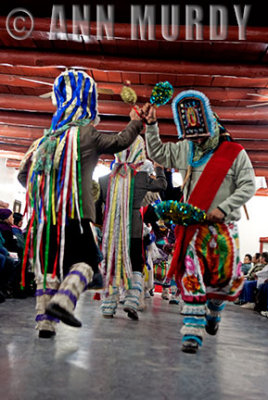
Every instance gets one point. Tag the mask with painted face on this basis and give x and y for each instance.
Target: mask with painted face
(193, 115)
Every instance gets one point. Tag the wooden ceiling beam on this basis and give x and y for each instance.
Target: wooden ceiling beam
(23, 137)
(114, 108)
(261, 171)
(30, 126)
(111, 77)
(43, 120)
(26, 119)
(8, 151)
(110, 63)
(10, 163)
(258, 156)
(230, 51)
(142, 90)
(123, 30)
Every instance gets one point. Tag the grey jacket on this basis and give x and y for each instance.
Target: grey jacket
(92, 145)
(142, 184)
(236, 189)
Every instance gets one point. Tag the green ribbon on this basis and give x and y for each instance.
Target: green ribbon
(48, 229)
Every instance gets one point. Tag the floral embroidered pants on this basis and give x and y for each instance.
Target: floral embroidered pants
(212, 274)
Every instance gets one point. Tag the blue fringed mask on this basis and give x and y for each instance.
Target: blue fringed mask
(193, 115)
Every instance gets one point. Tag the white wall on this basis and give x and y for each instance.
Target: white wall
(257, 226)
(10, 188)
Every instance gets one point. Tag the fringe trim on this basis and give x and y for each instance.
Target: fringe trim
(194, 321)
(188, 330)
(193, 309)
(192, 337)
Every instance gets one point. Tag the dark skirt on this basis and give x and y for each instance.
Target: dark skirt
(79, 247)
(136, 254)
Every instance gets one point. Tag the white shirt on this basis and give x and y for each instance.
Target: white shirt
(262, 275)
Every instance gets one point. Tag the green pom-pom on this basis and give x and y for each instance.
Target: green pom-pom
(161, 93)
(180, 213)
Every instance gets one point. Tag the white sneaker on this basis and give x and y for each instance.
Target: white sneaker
(264, 314)
(165, 294)
(249, 306)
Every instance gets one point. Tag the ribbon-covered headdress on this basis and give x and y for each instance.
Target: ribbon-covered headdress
(118, 214)
(75, 95)
(54, 185)
(193, 115)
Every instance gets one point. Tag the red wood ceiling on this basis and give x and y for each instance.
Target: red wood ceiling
(229, 72)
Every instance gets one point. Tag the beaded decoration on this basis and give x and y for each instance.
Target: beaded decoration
(179, 213)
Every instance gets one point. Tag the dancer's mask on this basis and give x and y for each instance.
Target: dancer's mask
(193, 115)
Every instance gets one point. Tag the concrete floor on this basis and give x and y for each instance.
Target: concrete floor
(121, 359)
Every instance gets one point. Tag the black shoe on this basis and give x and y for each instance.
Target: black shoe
(43, 333)
(173, 301)
(131, 313)
(54, 310)
(97, 282)
(189, 346)
(212, 327)
(108, 316)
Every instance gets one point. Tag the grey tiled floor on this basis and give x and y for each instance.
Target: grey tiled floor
(121, 359)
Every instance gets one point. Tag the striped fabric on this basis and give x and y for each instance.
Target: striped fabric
(194, 321)
(214, 309)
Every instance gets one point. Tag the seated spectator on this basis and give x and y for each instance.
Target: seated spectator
(257, 266)
(9, 270)
(248, 294)
(246, 266)
(18, 233)
(6, 222)
(3, 256)
(262, 291)
(262, 275)
(18, 221)
(261, 303)
(14, 246)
